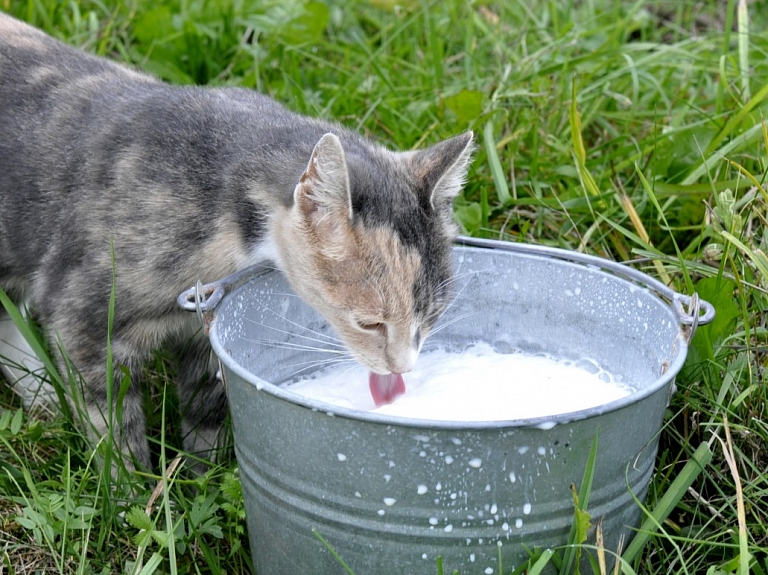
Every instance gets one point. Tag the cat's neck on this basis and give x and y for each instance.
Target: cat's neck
(266, 250)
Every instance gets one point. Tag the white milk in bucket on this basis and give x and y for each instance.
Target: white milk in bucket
(476, 384)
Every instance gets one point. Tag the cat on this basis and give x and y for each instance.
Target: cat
(104, 169)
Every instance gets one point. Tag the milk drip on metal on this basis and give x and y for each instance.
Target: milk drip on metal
(478, 384)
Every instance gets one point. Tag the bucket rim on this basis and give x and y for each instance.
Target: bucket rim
(680, 352)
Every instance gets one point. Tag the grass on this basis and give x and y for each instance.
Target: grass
(629, 130)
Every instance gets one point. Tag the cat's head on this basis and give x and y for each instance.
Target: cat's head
(368, 241)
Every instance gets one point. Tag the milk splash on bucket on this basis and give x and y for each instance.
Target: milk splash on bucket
(477, 384)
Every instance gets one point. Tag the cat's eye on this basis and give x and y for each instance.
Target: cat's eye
(372, 326)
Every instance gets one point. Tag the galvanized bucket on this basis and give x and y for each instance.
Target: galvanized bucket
(390, 495)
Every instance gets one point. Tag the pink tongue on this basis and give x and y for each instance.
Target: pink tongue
(385, 388)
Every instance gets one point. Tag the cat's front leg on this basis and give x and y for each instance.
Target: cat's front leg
(82, 344)
(203, 401)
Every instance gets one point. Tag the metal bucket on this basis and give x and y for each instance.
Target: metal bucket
(390, 495)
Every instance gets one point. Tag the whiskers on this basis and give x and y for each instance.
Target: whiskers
(329, 358)
(301, 331)
(318, 366)
(311, 366)
(293, 336)
(465, 278)
(450, 322)
(454, 279)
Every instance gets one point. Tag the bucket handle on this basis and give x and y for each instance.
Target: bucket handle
(687, 308)
(203, 298)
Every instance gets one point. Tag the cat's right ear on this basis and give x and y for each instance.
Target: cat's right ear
(323, 189)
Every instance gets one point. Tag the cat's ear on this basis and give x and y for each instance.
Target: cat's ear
(323, 201)
(442, 169)
(323, 189)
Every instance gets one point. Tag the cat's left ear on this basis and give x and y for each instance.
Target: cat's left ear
(324, 186)
(323, 201)
(442, 168)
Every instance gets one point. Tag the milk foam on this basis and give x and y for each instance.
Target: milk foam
(478, 384)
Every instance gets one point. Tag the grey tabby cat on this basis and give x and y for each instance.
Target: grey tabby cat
(188, 183)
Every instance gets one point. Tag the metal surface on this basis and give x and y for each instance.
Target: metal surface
(685, 316)
(390, 495)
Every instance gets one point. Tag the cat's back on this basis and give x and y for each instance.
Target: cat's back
(49, 108)
(52, 97)
(27, 52)
(39, 73)
(58, 102)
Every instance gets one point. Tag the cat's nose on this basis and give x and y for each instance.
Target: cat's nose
(405, 362)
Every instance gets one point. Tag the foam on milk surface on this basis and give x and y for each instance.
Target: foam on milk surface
(478, 384)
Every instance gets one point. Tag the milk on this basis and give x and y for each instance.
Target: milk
(478, 384)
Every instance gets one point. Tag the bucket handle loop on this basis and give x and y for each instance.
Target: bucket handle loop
(203, 298)
(690, 316)
(688, 309)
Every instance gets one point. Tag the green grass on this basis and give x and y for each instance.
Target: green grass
(630, 130)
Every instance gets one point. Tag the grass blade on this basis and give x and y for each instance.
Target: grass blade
(730, 458)
(737, 118)
(332, 551)
(725, 50)
(746, 138)
(580, 151)
(574, 117)
(541, 562)
(499, 180)
(757, 256)
(572, 552)
(637, 223)
(692, 469)
(743, 24)
(152, 565)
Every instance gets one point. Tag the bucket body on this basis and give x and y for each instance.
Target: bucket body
(390, 495)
